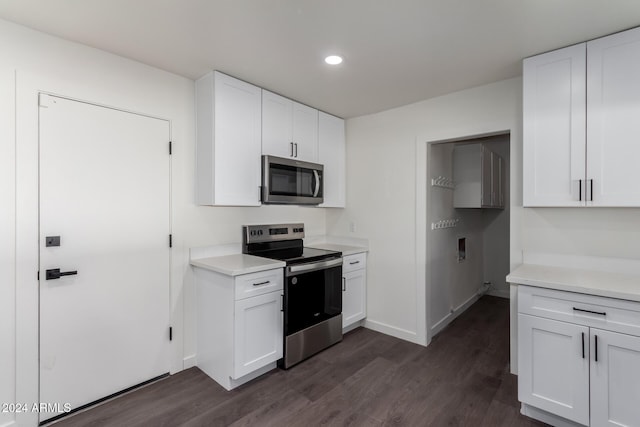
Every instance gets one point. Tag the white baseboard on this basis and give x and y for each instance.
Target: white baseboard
(189, 362)
(403, 334)
(442, 323)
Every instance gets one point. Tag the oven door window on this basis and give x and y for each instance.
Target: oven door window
(287, 180)
(311, 298)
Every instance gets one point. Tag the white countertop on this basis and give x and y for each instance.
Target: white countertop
(606, 284)
(236, 264)
(345, 249)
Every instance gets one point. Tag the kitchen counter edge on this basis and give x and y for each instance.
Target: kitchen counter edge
(237, 264)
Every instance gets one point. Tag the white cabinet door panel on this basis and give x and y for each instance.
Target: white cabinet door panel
(305, 132)
(615, 379)
(258, 332)
(228, 147)
(354, 297)
(554, 367)
(277, 126)
(331, 154)
(554, 127)
(613, 128)
(237, 139)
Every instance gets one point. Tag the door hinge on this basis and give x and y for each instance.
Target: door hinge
(170, 240)
(170, 148)
(170, 333)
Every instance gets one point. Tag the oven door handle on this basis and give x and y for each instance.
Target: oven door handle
(317, 176)
(313, 266)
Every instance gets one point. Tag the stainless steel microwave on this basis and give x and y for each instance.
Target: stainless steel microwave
(290, 181)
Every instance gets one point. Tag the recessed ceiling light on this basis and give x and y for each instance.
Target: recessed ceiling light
(333, 59)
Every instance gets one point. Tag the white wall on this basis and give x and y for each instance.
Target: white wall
(7, 241)
(49, 64)
(385, 189)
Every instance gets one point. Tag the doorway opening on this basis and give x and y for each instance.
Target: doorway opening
(468, 224)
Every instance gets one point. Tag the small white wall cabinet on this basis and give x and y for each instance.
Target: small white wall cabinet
(240, 324)
(578, 358)
(228, 141)
(289, 129)
(478, 174)
(354, 289)
(331, 154)
(593, 86)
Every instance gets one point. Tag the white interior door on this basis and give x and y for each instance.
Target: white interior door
(105, 191)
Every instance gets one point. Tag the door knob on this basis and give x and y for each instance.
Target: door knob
(55, 273)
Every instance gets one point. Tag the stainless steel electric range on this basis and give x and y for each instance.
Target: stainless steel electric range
(312, 288)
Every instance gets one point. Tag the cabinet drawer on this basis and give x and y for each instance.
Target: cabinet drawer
(354, 262)
(249, 285)
(589, 310)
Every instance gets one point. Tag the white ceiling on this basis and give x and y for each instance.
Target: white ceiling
(396, 51)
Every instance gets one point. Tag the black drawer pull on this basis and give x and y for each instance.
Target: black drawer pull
(354, 262)
(601, 313)
(261, 283)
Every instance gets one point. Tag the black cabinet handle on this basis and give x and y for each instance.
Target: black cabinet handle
(296, 144)
(583, 345)
(55, 273)
(600, 313)
(579, 190)
(596, 353)
(591, 189)
(261, 283)
(291, 148)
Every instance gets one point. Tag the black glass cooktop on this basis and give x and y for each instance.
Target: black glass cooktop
(291, 252)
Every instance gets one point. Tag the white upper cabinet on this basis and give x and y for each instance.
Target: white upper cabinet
(554, 128)
(228, 147)
(289, 129)
(479, 176)
(593, 86)
(331, 154)
(613, 119)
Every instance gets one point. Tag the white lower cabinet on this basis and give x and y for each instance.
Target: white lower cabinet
(257, 332)
(578, 358)
(615, 379)
(239, 324)
(354, 289)
(552, 373)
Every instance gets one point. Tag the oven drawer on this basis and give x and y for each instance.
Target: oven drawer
(249, 285)
(354, 262)
(589, 310)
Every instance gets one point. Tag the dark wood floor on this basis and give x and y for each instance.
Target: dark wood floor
(369, 379)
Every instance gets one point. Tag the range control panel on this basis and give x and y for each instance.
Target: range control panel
(271, 232)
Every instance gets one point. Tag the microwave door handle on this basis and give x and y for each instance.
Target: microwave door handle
(317, 176)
